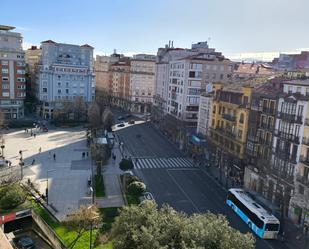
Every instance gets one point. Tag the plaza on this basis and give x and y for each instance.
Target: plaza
(66, 174)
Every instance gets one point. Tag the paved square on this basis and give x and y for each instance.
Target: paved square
(67, 174)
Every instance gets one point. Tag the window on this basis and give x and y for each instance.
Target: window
(21, 87)
(4, 63)
(240, 134)
(5, 78)
(5, 86)
(67, 91)
(5, 94)
(191, 74)
(44, 89)
(298, 89)
(241, 118)
(21, 79)
(20, 64)
(19, 71)
(5, 70)
(59, 91)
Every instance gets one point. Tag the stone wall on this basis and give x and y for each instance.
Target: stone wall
(4, 243)
(46, 229)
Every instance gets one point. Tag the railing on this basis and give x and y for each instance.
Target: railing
(266, 126)
(293, 118)
(253, 139)
(292, 138)
(271, 111)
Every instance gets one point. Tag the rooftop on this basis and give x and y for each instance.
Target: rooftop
(300, 82)
(6, 28)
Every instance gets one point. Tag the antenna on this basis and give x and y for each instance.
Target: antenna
(208, 40)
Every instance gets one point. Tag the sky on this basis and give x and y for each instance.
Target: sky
(237, 28)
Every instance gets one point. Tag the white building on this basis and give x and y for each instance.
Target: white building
(12, 73)
(64, 72)
(142, 81)
(204, 113)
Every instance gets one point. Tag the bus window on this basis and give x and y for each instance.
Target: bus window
(272, 227)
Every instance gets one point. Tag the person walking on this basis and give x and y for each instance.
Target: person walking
(33, 162)
(20, 152)
(34, 135)
(40, 150)
(54, 157)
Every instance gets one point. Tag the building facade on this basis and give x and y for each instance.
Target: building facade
(12, 73)
(228, 129)
(204, 114)
(142, 82)
(64, 72)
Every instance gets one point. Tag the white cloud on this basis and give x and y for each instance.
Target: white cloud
(262, 56)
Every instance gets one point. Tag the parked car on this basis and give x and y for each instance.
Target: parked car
(121, 124)
(25, 242)
(45, 129)
(131, 121)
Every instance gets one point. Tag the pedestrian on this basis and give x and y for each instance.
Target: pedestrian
(10, 163)
(83, 155)
(33, 162)
(26, 130)
(54, 157)
(40, 149)
(31, 133)
(20, 153)
(34, 135)
(49, 155)
(87, 153)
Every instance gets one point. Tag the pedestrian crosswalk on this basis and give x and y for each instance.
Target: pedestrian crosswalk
(152, 163)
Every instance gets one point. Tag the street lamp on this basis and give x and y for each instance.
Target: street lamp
(46, 193)
(2, 148)
(92, 218)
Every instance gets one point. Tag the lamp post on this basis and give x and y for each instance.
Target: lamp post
(49, 170)
(21, 164)
(2, 148)
(92, 205)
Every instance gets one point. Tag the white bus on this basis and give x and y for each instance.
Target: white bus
(261, 222)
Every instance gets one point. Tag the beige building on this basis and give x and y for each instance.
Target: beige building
(142, 82)
(204, 114)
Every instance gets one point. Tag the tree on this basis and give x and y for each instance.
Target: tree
(79, 108)
(126, 164)
(136, 188)
(103, 99)
(94, 117)
(107, 119)
(11, 196)
(81, 221)
(147, 227)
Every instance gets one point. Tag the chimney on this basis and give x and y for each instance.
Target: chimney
(172, 44)
(115, 52)
(169, 43)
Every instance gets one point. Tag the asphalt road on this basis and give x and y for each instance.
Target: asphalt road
(188, 190)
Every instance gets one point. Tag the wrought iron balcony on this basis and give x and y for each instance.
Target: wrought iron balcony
(292, 118)
(290, 137)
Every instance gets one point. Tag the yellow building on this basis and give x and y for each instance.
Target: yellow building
(229, 127)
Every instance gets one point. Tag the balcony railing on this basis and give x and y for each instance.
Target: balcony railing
(292, 118)
(229, 117)
(266, 126)
(303, 179)
(266, 110)
(253, 139)
(290, 137)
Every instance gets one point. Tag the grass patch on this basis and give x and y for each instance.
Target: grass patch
(99, 186)
(65, 234)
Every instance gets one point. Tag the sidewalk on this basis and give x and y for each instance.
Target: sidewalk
(111, 176)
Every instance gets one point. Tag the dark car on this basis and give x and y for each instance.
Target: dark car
(131, 121)
(45, 129)
(121, 125)
(25, 242)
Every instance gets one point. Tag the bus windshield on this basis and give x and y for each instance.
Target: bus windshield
(272, 227)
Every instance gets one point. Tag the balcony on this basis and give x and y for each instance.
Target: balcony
(253, 139)
(229, 117)
(292, 118)
(305, 141)
(303, 180)
(290, 137)
(270, 111)
(266, 126)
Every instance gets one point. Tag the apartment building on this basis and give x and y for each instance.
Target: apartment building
(259, 178)
(204, 114)
(290, 162)
(142, 82)
(102, 71)
(12, 73)
(229, 127)
(64, 72)
(188, 78)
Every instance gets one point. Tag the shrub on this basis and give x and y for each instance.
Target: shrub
(130, 179)
(136, 188)
(12, 196)
(126, 164)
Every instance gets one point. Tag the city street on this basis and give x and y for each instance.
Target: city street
(183, 186)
